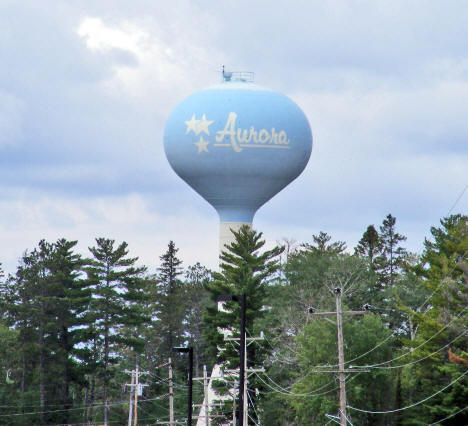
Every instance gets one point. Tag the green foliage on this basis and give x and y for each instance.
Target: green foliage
(389, 264)
(392, 252)
(197, 299)
(243, 270)
(317, 346)
(370, 247)
(312, 274)
(115, 312)
(322, 245)
(171, 299)
(441, 326)
(70, 328)
(305, 273)
(47, 300)
(9, 372)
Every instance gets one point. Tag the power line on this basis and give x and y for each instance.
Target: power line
(79, 408)
(423, 343)
(412, 405)
(394, 333)
(253, 407)
(294, 393)
(442, 281)
(341, 362)
(298, 381)
(302, 378)
(449, 417)
(380, 365)
(456, 202)
(418, 360)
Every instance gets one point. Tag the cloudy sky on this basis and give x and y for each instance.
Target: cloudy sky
(86, 88)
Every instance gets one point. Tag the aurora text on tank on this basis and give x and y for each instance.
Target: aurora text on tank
(251, 138)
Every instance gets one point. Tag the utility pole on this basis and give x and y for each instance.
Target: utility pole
(136, 389)
(130, 405)
(234, 411)
(244, 413)
(205, 412)
(135, 393)
(205, 393)
(243, 306)
(171, 394)
(341, 363)
(171, 421)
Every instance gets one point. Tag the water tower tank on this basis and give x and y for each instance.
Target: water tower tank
(237, 144)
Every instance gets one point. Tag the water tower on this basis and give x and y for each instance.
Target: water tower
(237, 144)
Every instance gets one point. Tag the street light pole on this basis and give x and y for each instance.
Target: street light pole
(188, 350)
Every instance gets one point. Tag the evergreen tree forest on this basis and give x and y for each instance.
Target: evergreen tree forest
(74, 326)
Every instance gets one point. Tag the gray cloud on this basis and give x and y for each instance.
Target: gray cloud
(82, 113)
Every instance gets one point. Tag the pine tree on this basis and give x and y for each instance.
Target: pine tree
(115, 282)
(196, 279)
(322, 244)
(370, 247)
(440, 326)
(311, 276)
(391, 250)
(243, 270)
(47, 300)
(305, 272)
(71, 298)
(172, 303)
(366, 338)
(10, 362)
(6, 296)
(18, 302)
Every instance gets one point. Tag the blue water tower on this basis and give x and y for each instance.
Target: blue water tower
(237, 144)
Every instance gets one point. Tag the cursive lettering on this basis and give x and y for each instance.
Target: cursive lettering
(239, 138)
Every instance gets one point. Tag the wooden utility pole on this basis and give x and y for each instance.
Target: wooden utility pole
(135, 393)
(171, 421)
(130, 405)
(341, 374)
(341, 363)
(136, 389)
(234, 421)
(205, 412)
(171, 394)
(205, 391)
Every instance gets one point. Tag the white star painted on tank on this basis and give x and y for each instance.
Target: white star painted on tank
(192, 125)
(202, 145)
(203, 125)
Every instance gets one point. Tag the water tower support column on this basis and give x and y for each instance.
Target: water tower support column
(226, 237)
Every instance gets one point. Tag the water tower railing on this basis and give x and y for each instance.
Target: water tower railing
(238, 76)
